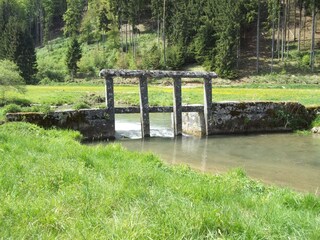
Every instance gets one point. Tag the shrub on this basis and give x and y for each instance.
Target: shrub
(305, 60)
(11, 108)
(81, 105)
(175, 57)
(10, 78)
(152, 58)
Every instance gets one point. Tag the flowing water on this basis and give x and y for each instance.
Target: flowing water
(283, 159)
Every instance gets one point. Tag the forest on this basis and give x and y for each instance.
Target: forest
(232, 38)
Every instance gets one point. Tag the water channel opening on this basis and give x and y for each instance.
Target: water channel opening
(129, 126)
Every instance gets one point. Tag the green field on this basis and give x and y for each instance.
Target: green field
(52, 187)
(162, 95)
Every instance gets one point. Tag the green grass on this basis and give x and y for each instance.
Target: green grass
(52, 187)
(160, 95)
(316, 122)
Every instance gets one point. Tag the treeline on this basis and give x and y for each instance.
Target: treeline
(212, 33)
(24, 24)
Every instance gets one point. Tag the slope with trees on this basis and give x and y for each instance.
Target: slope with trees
(229, 37)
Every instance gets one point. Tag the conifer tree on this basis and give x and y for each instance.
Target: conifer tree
(25, 57)
(74, 54)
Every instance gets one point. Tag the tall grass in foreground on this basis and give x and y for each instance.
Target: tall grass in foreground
(51, 186)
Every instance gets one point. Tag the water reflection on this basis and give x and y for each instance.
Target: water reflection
(284, 159)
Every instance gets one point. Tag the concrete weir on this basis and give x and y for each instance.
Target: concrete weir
(249, 117)
(225, 118)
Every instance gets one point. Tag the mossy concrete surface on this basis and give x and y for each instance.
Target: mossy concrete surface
(250, 117)
(93, 124)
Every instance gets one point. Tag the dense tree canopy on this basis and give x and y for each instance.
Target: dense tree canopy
(208, 32)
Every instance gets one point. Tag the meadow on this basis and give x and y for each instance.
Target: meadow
(162, 95)
(52, 187)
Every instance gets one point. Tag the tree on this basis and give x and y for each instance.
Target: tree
(74, 55)
(16, 43)
(73, 17)
(104, 22)
(314, 8)
(10, 78)
(26, 58)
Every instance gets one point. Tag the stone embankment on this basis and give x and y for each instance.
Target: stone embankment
(93, 124)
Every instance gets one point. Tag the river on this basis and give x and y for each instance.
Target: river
(289, 160)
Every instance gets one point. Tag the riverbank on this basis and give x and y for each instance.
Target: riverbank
(54, 187)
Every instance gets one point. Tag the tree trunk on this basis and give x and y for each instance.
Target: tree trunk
(273, 38)
(304, 27)
(158, 31)
(279, 29)
(294, 20)
(164, 33)
(288, 27)
(258, 37)
(313, 31)
(300, 26)
(284, 19)
(238, 49)
(126, 36)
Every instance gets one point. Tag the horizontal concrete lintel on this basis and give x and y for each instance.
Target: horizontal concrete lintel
(124, 110)
(155, 74)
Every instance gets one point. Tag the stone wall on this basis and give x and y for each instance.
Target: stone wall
(249, 117)
(227, 118)
(92, 123)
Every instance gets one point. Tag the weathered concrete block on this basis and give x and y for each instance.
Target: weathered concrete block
(316, 130)
(249, 117)
(94, 124)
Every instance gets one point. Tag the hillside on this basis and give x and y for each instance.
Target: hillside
(215, 35)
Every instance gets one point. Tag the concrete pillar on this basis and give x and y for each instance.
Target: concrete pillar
(207, 103)
(144, 107)
(177, 106)
(109, 89)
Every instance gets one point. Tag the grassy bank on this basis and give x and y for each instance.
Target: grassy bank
(53, 187)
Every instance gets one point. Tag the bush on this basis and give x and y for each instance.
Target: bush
(81, 105)
(11, 108)
(10, 78)
(38, 108)
(152, 58)
(18, 101)
(175, 57)
(305, 60)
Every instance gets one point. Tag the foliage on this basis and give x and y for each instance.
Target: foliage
(26, 59)
(152, 59)
(69, 190)
(52, 62)
(74, 55)
(73, 17)
(11, 108)
(316, 122)
(10, 78)
(81, 105)
(16, 43)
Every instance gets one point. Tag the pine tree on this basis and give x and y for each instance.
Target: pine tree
(74, 55)
(103, 23)
(73, 17)
(25, 57)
